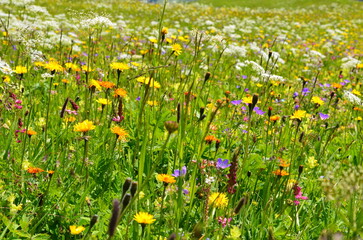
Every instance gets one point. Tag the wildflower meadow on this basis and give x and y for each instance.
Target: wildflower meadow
(138, 120)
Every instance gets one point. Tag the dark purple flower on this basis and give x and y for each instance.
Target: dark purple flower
(323, 116)
(295, 94)
(222, 164)
(138, 98)
(236, 102)
(180, 173)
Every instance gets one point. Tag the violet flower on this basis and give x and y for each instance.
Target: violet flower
(236, 102)
(323, 116)
(258, 111)
(180, 173)
(222, 164)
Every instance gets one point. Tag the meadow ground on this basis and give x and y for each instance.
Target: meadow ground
(127, 120)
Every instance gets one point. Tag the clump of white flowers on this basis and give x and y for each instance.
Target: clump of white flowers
(351, 97)
(349, 63)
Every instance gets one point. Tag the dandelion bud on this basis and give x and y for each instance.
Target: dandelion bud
(172, 236)
(301, 136)
(240, 204)
(249, 174)
(178, 113)
(126, 186)
(120, 108)
(207, 76)
(171, 126)
(301, 168)
(133, 189)
(74, 105)
(114, 218)
(164, 31)
(201, 111)
(254, 99)
(94, 220)
(64, 107)
(269, 113)
(126, 200)
(218, 143)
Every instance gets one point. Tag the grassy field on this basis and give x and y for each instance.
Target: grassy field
(273, 4)
(126, 120)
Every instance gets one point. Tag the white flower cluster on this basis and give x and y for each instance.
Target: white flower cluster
(234, 49)
(349, 63)
(98, 21)
(351, 97)
(5, 68)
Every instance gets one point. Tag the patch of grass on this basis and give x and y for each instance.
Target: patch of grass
(272, 4)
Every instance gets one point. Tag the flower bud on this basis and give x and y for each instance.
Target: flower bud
(126, 186)
(133, 189)
(126, 200)
(240, 204)
(114, 218)
(94, 220)
(172, 237)
(207, 76)
(171, 126)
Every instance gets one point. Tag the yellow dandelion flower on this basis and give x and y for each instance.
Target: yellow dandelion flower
(218, 200)
(75, 230)
(86, 68)
(136, 64)
(119, 66)
(317, 100)
(6, 79)
(122, 133)
(69, 119)
(84, 126)
(153, 40)
(149, 81)
(143, 52)
(164, 31)
(247, 100)
(96, 84)
(355, 92)
(144, 218)
(20, 70)
(39, 64)
(53, 66)
(299, 114)
(152, 103)
(177, 49)
(104, 101)
(165, 178)
(72, 66)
